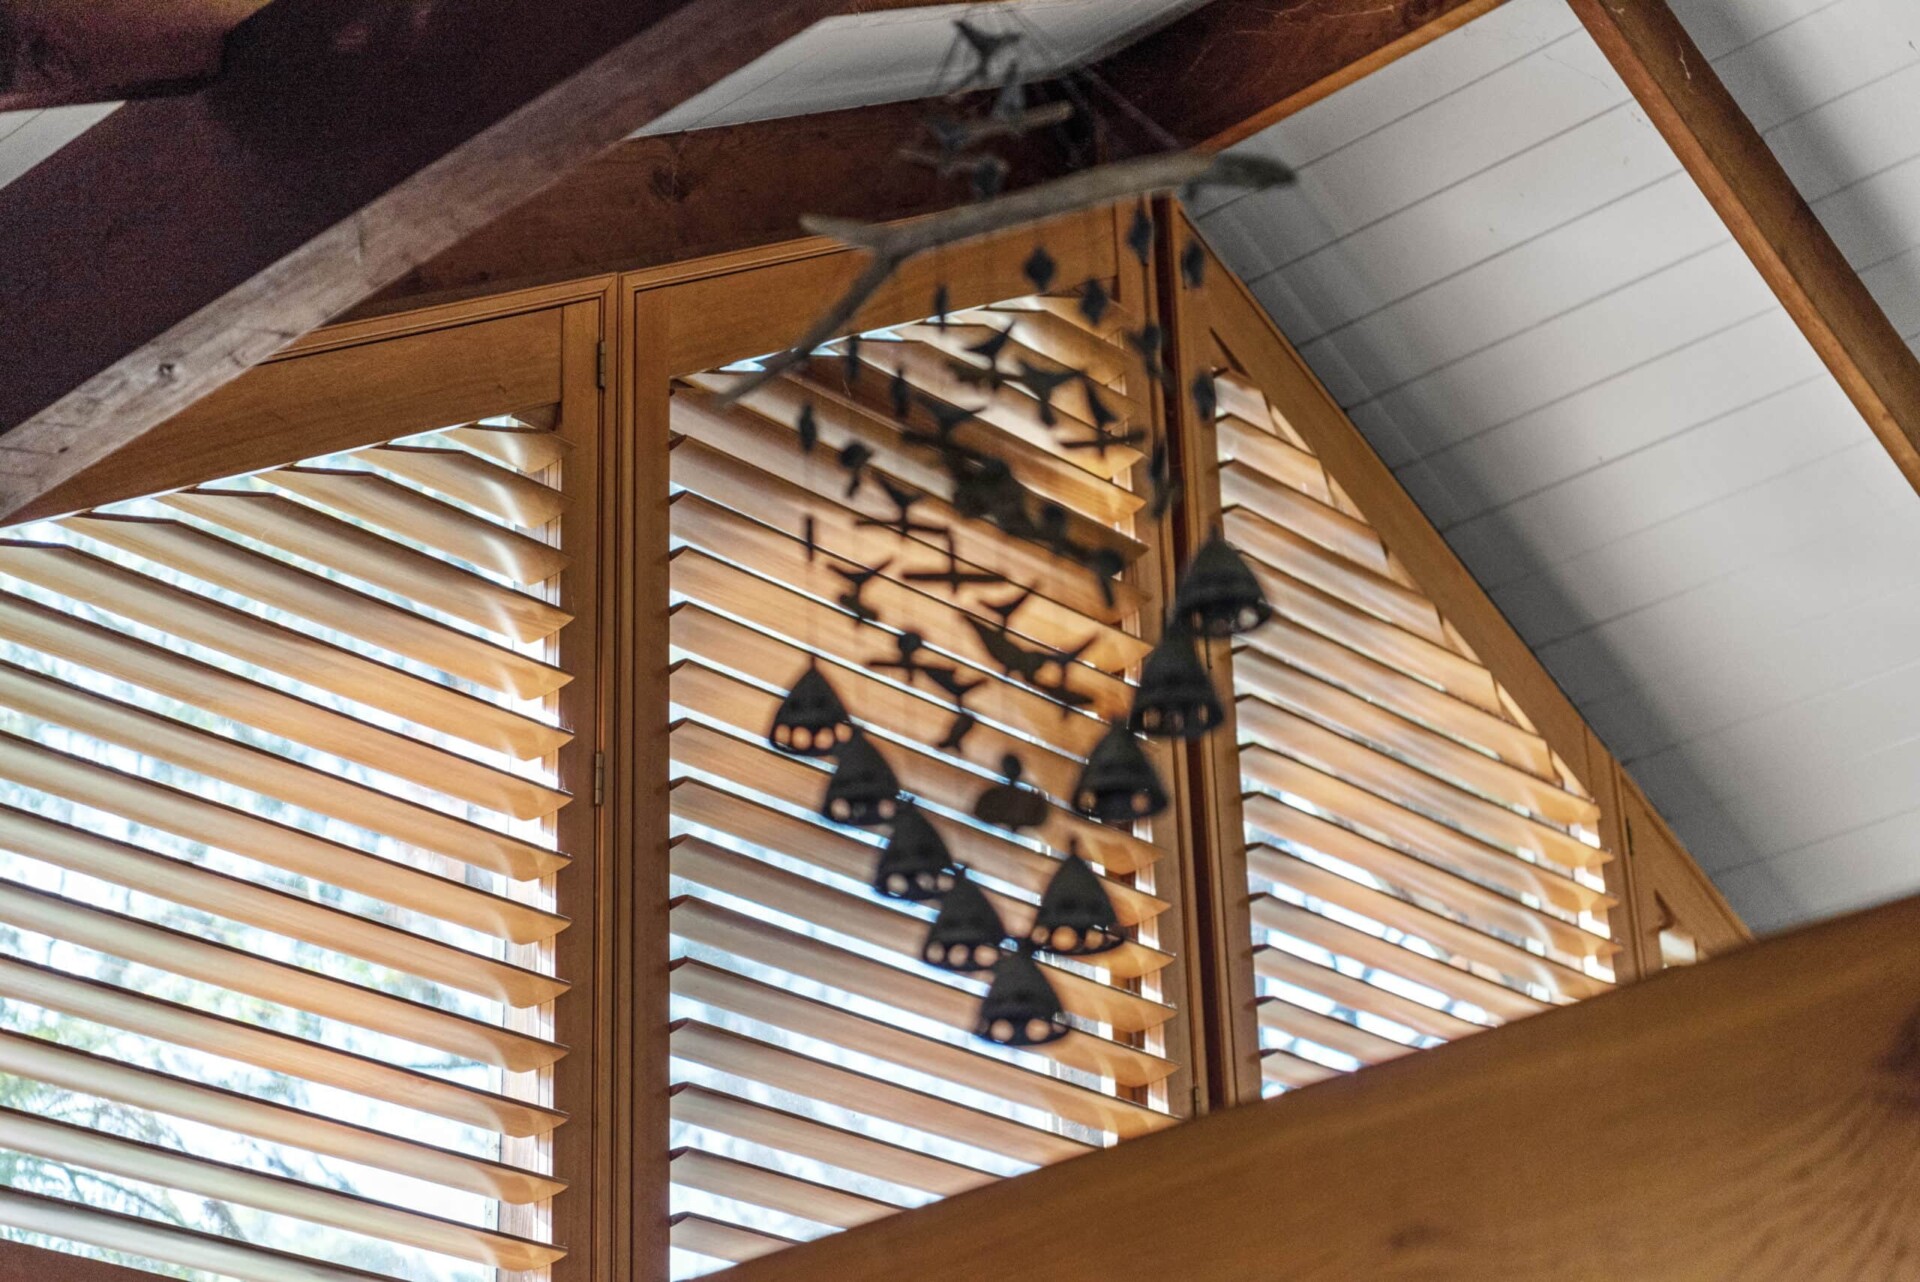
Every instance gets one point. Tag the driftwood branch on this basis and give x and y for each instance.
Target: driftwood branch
(894, 244)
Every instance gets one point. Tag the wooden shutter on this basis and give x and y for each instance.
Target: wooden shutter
(1420, 863)
(279, 803)
(825, 1076)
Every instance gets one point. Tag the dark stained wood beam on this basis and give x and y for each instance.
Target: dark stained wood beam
(1744, 182)
(652, 201)
(1754, 1117)
(59, 52)
(1208, 80)
(1231, 68)
(184, 239)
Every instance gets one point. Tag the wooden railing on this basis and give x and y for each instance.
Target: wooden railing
(1756, 1117)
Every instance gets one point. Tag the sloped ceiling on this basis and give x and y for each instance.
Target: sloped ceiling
(1497, 265)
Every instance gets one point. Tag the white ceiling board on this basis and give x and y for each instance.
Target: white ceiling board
(860, 59)
(1495, 263)
(29, 137)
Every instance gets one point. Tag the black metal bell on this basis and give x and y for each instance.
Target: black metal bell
(1011, 804)
(1219, 595)
(1076, 918)
(1021, 1008)
(968, 934)
(915, 863)
(1118, 784)
(863, 791)
(1176, 698)
(811, 721)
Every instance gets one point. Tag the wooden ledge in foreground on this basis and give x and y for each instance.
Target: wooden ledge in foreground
(1756, 1117)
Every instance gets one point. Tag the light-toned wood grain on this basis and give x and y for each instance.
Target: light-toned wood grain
(761, 1186)
(501, 493)
(1358, 994)
(1735, 1099)
(1278, 1015)
(1373, 592)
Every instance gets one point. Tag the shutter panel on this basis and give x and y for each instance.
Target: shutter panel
(1420, 864)
(825, 1075)
(278, 792)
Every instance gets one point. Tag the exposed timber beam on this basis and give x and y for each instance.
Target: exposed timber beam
(1231, 68)
(184, 239)
(1754, 1117)
(652, 201)
(658, 200)
(59, 52)
(1753, 195)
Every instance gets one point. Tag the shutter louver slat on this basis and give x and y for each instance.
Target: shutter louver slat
(264, 772)
(184, 955)
(799, 783)
(786, 1132)
(710, 580)
(501, 493)
(276, 1052)
(293, 849)
(860, 1092)
(43, 1061)
(414, 516)
(152, 1239)
(292, 527)
(700, 922)
(1359, 995)
(716, 696)
(769, 446)
(704, 1235)
(1491, 778)
(260, 806)
(788, 1194)
(1324, 1030)
(1307, 561)
(520, 446)
(276, 648)
(776, 501)
(743, 877)
(275, 910)
(263, 707)
(188, 550)
(85, 1147)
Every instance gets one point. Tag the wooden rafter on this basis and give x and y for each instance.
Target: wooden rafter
(1753, 195)
(184, 239)
(58, 52)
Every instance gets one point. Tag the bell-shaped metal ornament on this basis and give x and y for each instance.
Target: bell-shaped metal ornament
(915, 863)
(1011, 804)
(968, 934)
(1219, 595)
(1175, 698)
(863, 792)
(1118, 784)
(1076, 918)
(811, 721)
(1021, 1008)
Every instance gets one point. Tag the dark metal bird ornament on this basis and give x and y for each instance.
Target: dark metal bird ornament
(1040, 268)
(1140, 234)
(1193, 264)
(1094, 301)
(1013, 805)
(808, 427)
